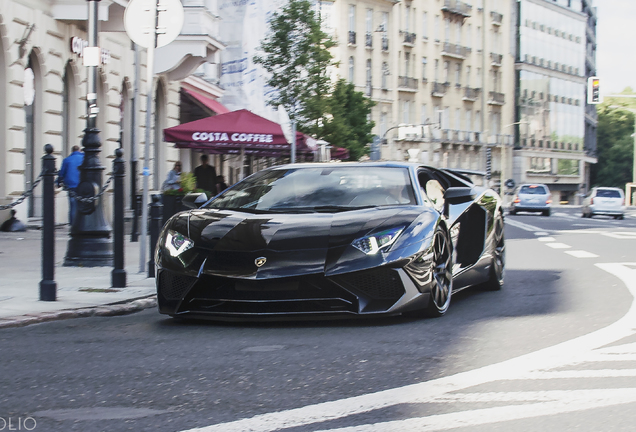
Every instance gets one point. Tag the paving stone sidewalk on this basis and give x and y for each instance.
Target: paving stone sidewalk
(80, 291)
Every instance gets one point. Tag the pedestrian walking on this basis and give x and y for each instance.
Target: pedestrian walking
(69, 176)
(174, 177)
(206, 175)
(220, 184)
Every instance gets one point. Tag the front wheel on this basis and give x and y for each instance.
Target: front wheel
(498, 265)
(442, 281)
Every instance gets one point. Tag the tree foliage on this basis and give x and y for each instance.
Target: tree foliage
(348, 125)
(297, 58)
(615, 147)
(296, 55)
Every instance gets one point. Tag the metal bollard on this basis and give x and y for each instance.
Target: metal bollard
(156, 215)
(134, 234)
(48, 286)
(118, 275)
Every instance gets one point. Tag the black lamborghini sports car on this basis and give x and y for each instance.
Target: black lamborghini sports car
(342, 239)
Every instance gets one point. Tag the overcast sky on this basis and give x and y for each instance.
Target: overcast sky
(616, 44)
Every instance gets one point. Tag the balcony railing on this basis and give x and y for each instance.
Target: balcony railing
(455, 51)
(368, 40)
(385, 44)
(496, 98)
(496, 59)
(439, 89)
(407, 83)
(352, 38)
(457, 7)
(496, 18)
(471, 94)
(409, 38)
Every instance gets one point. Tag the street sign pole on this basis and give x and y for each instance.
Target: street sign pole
(150, 62)
(164, 21)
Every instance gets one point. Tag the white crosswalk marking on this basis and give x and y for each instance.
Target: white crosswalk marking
(558, 245)
(581, 254)
(560, 362)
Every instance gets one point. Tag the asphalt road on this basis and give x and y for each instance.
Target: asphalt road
(518, 359)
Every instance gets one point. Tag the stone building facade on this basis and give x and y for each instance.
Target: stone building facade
(44, 85)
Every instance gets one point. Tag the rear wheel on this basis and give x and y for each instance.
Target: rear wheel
(498, 265)
(442, 281)
(546, 212)
(513, 212)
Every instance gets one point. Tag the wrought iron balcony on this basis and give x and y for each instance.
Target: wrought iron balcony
(352, 38)
(496, 59)
(496, 98)
(471, 94)
(368, 40)
(409, 38)
(407, 83)
(439, 89)
(457, 7)
(455, 51)
(496, 18)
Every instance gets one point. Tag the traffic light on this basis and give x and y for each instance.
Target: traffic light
(593, 93)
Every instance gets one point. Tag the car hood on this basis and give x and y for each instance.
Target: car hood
(292, 244)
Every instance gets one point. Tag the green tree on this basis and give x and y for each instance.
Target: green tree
(297, 57)
(348, 125)
(614, 148)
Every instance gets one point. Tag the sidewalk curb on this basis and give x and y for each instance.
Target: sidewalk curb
(113, 309)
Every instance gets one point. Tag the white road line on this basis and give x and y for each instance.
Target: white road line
(560, 355)
(558, 245)
(521, 225)
(546, 239)
(575, 400)
(581, 254)
(621, 235)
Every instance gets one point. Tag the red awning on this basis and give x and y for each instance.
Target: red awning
(232, 131)
(211, 104)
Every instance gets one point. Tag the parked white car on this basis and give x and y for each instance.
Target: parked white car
(608, 201)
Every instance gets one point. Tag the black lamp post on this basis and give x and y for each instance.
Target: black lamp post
(90, 244)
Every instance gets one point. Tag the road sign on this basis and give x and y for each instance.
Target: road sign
(139, 19)
(510, 183)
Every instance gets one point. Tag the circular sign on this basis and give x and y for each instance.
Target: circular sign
(29, 86)
(510, 183)
(140, 18)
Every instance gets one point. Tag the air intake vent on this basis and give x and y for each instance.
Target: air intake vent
(173, 286)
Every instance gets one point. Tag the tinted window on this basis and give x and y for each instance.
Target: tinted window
(608, 193)
(319, 189)
(533, 190)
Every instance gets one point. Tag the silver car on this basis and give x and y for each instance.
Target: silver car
(608, 201)
(532, 198)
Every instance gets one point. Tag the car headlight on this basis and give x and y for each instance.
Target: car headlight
(177, 243)
(371, 244)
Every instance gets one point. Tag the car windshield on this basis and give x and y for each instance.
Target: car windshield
(608, 193)
(319, 189)
(533, 190)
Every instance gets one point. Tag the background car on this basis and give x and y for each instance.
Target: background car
(532, 198)
(345, 239)
(608, 201)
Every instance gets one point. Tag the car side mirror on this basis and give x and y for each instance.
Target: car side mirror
(457, 195)
(194, 200)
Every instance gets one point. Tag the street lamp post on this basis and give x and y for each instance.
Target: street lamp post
(90, 244)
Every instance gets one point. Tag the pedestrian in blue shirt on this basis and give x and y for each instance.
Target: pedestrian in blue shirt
(69, 176)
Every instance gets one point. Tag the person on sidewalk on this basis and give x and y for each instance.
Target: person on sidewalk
(206, 176)
(69, 176)
(12, 224)
(220, 184)
(174, 177)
